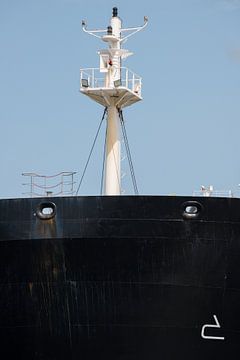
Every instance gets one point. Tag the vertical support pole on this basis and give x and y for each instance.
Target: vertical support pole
(113, 148)
(45, 185)
(93, 78)
(31, 186)
(113, 144)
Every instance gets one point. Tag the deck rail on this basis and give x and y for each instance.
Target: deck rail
(93, 78)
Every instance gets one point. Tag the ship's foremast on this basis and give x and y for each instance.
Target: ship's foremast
(114, 87)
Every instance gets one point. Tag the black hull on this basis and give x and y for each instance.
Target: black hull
(120, 278)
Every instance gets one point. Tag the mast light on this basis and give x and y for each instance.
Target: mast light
(115, 12)
(84, 83)
(117, 83)
(109, 30)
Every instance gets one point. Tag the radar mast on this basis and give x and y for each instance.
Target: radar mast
(114, 87)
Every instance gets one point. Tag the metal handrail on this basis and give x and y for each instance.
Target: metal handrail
(129, 79)
(63, 185)
(213, 193)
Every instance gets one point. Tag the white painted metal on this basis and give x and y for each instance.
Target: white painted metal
(113, 141)
(130, 81)
(209, 191)
(113, 150)
(113, 90)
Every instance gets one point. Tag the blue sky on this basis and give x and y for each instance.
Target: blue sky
(184, 133)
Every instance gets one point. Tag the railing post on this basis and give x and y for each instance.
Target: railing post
(80, 78)
(126, 77)
(92, 85)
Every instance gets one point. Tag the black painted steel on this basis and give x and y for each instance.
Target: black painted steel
(120, 278)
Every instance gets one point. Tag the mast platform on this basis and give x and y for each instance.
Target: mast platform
(121, 93)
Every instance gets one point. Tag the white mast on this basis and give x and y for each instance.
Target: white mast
(118, 88)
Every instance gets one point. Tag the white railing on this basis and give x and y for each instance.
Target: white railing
(214, 193)
(93, 78)
(50, 185)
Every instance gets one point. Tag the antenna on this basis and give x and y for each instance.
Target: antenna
(114, 87)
